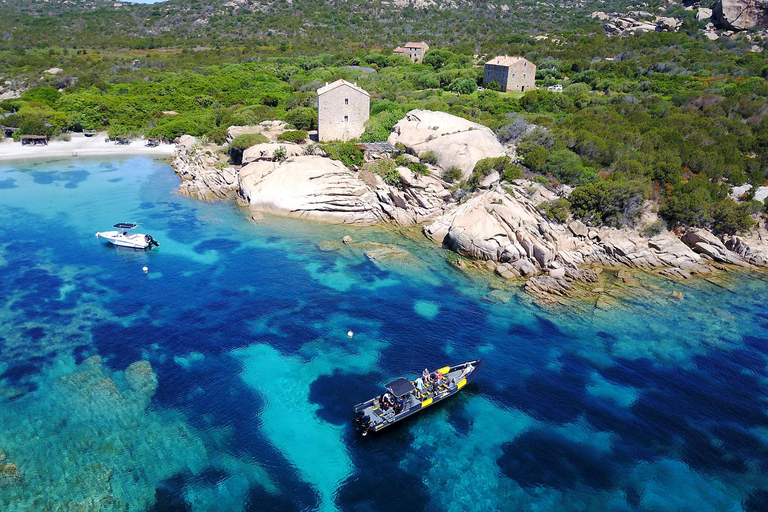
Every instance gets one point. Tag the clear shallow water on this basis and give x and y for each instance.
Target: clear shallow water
(653, 405)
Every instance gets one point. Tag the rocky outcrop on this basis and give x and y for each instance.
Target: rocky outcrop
(752, 251)
(267, 151)
(203, 174)
(740, 14)
(707, 244)
(421, 198)
(455, 141)
(509, 231)
(270, 129)
(309, 187)
(635, 22)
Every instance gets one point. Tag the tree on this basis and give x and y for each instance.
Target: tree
(463, 86)
(614, 203)
(302, 118)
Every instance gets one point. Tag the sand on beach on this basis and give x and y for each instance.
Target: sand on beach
(80, 146)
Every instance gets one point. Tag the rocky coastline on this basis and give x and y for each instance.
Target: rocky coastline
(499, 228)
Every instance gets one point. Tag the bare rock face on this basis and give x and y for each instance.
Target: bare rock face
(494, 226)
(740, 14)
(267, 150)
(751, 250)
(309, 187)
(202, 175)
(421, 199)
(455, 141)
(704, 242)
(270, 129)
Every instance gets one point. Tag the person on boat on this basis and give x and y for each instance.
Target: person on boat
(425, 377)
(399, 404)
(419, 386)
(467, 370)
(437, 378)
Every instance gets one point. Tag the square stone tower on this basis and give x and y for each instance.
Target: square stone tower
(342, 110)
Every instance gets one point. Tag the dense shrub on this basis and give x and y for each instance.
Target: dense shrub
(452, 174)
(242, 142)
(345, 152)
(302, 118)
(418, 168)
(731, 218)
(614, 203)
(429, 157)
(387, 169)
(295, 136)
(557, 209)
(692, 203)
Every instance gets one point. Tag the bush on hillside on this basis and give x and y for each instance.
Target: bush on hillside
(295, 136)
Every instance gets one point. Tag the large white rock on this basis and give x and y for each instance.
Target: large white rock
(703, 14)
(309, 187)
(740, 14)
(455, 141)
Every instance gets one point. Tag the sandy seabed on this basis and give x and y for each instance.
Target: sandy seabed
(79, 146)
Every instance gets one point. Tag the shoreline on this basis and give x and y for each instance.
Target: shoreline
(81, 146)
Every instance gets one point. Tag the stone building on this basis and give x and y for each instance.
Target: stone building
(342, 110)
(513, 74)
(416, 51)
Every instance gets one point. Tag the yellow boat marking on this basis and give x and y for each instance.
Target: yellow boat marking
(462, 383)
(426, 402)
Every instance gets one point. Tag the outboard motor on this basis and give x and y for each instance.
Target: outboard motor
(363, 422)
(151, 241)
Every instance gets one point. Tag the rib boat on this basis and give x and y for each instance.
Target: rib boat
(404, 398)
(122, 238)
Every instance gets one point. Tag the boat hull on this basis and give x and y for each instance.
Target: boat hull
(123, 239)
(369, 416)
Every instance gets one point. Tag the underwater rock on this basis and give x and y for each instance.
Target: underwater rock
(9, 471)
(382, 253)
(140, 377)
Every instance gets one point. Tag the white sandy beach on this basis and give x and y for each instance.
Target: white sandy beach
(81, 146)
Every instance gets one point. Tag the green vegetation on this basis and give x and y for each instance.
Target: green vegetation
(345, 152)
(242, 142)
(387, 169)
(670, 116)
(557, 209)
(503, 165)
(295, 136)
(614, 203)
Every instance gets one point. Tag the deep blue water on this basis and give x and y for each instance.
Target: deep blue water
(654, 404)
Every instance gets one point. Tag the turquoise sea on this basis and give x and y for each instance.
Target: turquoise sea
(653, 404)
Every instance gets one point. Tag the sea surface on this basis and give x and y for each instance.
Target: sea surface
(651, 404)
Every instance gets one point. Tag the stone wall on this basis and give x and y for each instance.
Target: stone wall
(342, 113)
(519, 76)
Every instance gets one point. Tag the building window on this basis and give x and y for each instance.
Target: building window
(346, 119)
(523, 75)
(513, 75)
(346, 101)
(525, 64)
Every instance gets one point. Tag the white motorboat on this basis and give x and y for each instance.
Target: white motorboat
(122, 238)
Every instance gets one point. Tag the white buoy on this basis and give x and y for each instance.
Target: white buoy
(350, 334)
(145, 269)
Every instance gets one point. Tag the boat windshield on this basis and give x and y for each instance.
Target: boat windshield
(400, 387)
(125, 225)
